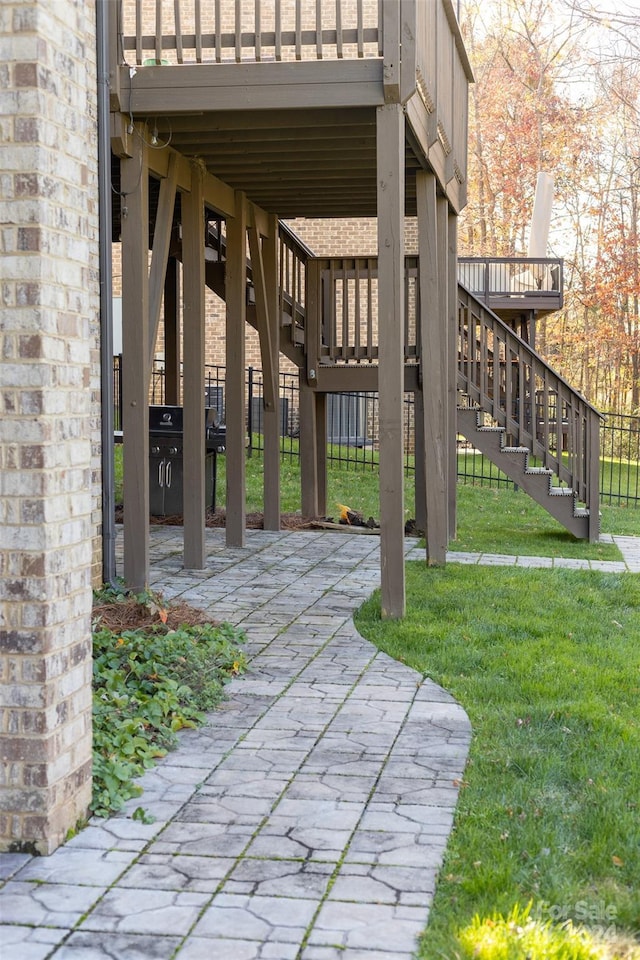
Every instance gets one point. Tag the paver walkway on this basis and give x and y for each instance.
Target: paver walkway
(307, 821)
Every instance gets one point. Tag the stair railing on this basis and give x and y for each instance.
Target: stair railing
(294, 256)
(518, 390)
(348, 304)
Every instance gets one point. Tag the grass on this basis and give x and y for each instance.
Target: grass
(490, 520)
(549, 812)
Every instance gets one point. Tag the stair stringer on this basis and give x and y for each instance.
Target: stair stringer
(537, 482)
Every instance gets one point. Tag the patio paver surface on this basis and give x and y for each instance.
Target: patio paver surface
(307, 820)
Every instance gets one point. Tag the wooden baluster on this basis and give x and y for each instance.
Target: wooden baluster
(158, 31)
(370, 345)
(139, 31)
(356, 281)
(198, 16)
(238, 31)
(258, 36)
(319, 29)
(178, 28)
(278, 16)
(218, 30)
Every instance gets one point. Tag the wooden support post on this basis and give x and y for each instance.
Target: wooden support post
(236, 297)
(390, 180)
(272, 418)
(160, 252)
(135, 363)
(433, 346)
(308, 448)
(593, 474)
(194, 505)
(321, 453)
(172, 350)
(420, 479)
(452, 369)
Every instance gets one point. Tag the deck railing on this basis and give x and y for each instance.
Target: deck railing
(348, 298)
(292, 264)
(227, 31)
(418, 42)
(519, 391)
(513, 279)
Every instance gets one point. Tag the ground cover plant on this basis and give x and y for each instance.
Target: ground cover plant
(157, 668)
(547, 665)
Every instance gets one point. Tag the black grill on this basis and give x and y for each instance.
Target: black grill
(166, 469)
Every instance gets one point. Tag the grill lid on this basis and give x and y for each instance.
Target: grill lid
(167, 420)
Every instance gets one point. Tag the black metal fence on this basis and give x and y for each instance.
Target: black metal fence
(352, 433)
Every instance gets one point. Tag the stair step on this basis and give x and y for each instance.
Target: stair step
(515, 450)
(541, 471)
(491, 429)
(581, 512)
(560, 492)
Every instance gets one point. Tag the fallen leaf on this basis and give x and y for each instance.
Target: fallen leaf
(617, 862)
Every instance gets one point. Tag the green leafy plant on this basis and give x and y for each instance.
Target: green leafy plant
(149, 683)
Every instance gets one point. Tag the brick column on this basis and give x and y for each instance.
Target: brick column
(48, 418)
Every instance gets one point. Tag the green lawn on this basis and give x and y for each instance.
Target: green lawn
(547, 665)
(490, 520)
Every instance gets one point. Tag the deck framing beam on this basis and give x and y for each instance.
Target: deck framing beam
(172, 344)
(432, 409)
(236, 315)
(263, 248)
(390, 204)
(452, 366)
(135, 363)
(160, 250)
(193, 506)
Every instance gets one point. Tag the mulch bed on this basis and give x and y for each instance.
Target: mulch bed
(130, 615)
(254, 521)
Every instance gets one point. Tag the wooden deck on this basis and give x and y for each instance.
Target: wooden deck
(280, 102)
(251, 111)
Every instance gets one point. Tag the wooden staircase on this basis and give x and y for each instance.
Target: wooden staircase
(521, 414)
(513, 407)
(538, 482)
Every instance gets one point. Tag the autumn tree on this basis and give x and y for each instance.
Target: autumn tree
(558, 89)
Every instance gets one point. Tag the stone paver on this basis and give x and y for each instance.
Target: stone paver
(308, 819)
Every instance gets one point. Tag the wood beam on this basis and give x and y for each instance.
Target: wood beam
(408, 27)
(257, 86)
(391, 51)
(419, 477)
(134, 185)
(433, 353)
(242, 123)
(272, 418)
(308, 448)
(390, 197)
(172, 350)
(218, 196)
(321, 453)
(452, 367)
(160, 250)
(263, 321)
(236, 314)
(194, 505)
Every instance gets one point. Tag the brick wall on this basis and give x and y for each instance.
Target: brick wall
(49, 407)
